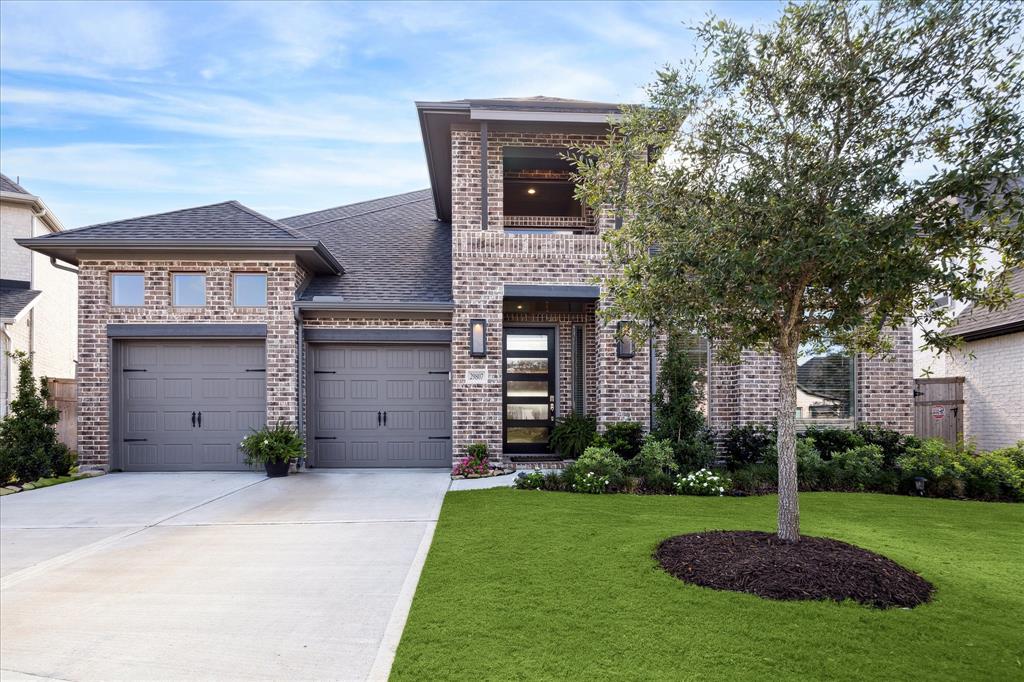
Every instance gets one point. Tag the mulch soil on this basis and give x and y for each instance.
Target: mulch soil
(811, 569)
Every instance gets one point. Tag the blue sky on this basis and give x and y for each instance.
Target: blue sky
(110, 110)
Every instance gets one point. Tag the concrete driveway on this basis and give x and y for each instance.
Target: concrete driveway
(213, 576)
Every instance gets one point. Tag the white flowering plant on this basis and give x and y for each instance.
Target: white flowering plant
(280, 443)
(704, 482)
(590, 482)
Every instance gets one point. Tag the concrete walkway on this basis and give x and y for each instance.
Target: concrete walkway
(213, 576)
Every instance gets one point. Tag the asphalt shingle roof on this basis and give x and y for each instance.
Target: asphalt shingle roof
(540, 103)
(226, 220)
(974, 321)
(394, 250)
(8, 185)
(14, 299)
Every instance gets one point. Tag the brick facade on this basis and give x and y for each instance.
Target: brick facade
(484, 261)
(748, 392)
(96, 312)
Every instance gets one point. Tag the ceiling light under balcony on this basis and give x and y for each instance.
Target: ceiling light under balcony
(531, 191)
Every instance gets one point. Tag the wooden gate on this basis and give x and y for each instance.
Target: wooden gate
(939, 408)
(62, 396)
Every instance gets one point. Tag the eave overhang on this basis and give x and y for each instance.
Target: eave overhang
(311, 253)
(340, 305)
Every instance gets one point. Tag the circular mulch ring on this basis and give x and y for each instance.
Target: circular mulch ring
(812, 569)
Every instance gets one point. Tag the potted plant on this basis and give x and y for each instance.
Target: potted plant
(274, 447)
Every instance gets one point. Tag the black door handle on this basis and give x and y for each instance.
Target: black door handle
(193, 419)
(200, 420)
(378, 417)
(385, 417)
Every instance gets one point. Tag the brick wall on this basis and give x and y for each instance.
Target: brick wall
(748, 392)
(95, 312)
(993, 390)
(484, 261)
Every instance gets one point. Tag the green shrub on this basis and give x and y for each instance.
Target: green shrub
(893, 443)
(602, 461)
(529, 481)
(941, 465)
(829, 440)
(63, 459)
(704, 482)
(624, 438)
(28, 437)
(676, 404)
(749, 444)
(857, 468)
(994, 476)
(280, 443)
(477, 451)
(756, 479)
(659, 483)
(656, 456)
(590, 482)
(572, 434)
(1015, 453)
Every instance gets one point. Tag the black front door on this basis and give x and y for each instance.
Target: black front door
(529, 389)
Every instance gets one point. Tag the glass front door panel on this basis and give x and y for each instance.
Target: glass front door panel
(529, 389)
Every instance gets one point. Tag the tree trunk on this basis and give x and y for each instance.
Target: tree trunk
(789, 506)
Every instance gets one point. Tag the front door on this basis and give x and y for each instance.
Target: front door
(529, 389)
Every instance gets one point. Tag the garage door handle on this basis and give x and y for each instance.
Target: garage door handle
(133, 370)
(135, 440)
(324, 371)
(439, 437)
(255, 370)
(200, 420)
(385, 417)
(325, 438)
(193, 420)
(378, 417)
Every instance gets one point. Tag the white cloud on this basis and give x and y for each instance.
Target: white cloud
(81, 39)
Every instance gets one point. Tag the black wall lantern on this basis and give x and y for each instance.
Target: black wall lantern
(624, 347)
(478, 338)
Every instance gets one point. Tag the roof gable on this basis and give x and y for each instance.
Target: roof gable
(8, 185)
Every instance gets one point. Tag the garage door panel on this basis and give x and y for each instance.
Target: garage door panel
(352, 386)
(181, 378)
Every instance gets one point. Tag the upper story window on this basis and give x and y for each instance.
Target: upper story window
(538, 192)
(188, 289)
(128, 289)
(250, 290)
(825, 387)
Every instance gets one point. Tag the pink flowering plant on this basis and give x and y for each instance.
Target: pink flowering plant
(475, 463)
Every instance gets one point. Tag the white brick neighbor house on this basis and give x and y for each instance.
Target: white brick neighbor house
(396, 331)
(38, 303)
(992, 364)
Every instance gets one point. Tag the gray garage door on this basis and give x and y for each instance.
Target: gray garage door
(380, 406)
(185, 405)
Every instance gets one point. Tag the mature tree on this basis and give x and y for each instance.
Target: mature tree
(819, 181)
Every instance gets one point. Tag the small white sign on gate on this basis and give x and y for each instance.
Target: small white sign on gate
(476, 376)
(938, 412)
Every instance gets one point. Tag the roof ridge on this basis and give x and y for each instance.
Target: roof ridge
(138, 217)
(256, 214)
(357, 203)
(362, 213)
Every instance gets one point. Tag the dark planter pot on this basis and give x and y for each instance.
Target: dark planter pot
(276, 469)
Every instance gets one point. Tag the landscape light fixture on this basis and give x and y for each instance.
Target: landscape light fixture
(531, 191)
(919, 482)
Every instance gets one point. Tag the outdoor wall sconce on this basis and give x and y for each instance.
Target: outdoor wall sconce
(624, 347)
(478, 338)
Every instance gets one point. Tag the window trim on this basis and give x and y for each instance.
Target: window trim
(234, 289)
(174, 298)
(135, 273)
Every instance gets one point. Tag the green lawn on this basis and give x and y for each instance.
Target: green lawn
(540, 585)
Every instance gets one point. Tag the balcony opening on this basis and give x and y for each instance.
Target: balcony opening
(539, 193)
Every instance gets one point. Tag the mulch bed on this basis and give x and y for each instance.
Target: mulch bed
(812, 569)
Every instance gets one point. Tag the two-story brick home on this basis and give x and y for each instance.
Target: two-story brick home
(37, 296)
(394, 332)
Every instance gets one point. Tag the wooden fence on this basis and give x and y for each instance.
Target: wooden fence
(63, 397)
(939, 408)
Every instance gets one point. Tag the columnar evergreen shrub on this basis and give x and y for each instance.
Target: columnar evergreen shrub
(28, 437)
(678, 417)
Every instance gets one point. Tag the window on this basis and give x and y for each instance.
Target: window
(128, 289)
(189, 290)
(824, 379)
(578, 370)
(251, 290)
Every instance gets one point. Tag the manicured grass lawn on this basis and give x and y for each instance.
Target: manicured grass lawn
(539, 585)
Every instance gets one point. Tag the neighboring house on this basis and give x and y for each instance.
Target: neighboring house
(992, 364)
(38, 298)
(393, 332)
